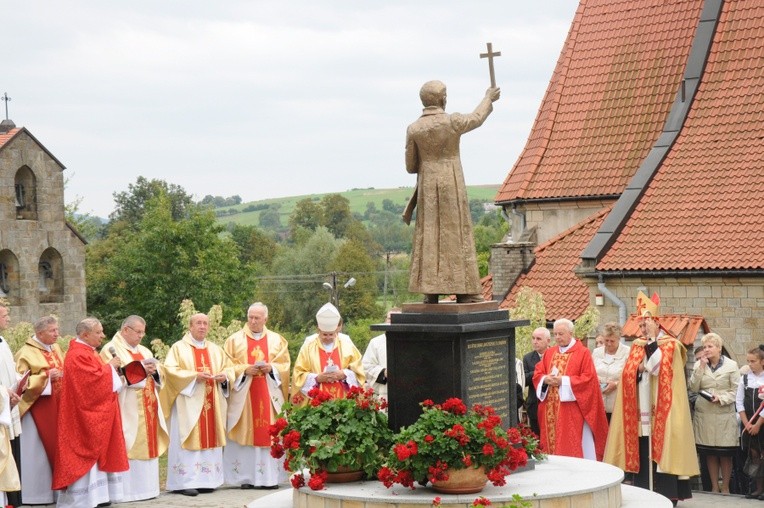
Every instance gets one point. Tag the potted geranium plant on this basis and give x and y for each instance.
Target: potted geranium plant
(529, 441)
(449, 442)
(328, 435)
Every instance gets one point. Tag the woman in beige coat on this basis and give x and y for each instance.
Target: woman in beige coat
(609, 360)
(715, 378)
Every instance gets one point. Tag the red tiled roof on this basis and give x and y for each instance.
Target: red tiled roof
(683, 327)
(4, 138)
(705, 201)
(552, 275)
(608, 98)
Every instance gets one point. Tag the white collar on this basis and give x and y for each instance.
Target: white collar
(564, 349)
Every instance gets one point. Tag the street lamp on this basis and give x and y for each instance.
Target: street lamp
(334, 296)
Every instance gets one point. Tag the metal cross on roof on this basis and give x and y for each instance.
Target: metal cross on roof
(6, 99)
(489, 55)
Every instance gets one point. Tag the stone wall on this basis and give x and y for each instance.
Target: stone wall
(552, 218)
(23, 241)
(732, 306)
(508, 261)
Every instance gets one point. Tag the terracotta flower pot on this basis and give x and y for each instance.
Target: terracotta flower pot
(342, 475)
(462, 481)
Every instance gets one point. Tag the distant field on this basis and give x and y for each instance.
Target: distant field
(358, 199)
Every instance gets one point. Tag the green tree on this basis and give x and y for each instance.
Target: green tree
(335, 214)
(130, 205)
(389, 231)
(256, 247)
(476, 210)
(529, 304)
(149, 268)
(293, 290)
(306, 215)
(270, 218)
(358, 301)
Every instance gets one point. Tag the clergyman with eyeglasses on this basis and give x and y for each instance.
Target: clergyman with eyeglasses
(143, 423)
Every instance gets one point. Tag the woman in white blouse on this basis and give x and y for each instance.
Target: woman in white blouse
(609, 361)
(746, 403)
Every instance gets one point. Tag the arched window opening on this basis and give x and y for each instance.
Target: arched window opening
(10, 282)
(25, 185)
(50, 271)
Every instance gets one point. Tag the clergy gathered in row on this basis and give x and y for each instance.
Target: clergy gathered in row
(93, 437)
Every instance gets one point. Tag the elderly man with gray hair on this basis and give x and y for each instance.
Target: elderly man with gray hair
(571, 411)
(261, 358)
(42, 357)
(90, 452)
(143, 422)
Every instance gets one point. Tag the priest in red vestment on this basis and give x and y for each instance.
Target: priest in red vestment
(93, 447)
(571, 410)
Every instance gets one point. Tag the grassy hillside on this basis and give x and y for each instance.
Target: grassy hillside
(358, 199)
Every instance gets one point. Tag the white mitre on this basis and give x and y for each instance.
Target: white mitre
(328, 318)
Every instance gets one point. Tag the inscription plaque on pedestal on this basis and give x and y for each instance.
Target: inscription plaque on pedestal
(450, 350)
(486, 378)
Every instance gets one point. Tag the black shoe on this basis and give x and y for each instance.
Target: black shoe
(753, 495)
(187, 492)
(107, 503)
(205, 491)
(268, 487)
(247, 486)
(761, 497)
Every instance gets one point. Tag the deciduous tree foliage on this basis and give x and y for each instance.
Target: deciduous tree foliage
(151, 266)
(131, 204)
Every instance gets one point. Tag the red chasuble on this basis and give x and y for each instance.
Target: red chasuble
(207, 434)
(337, 388)
(562, 423)
(259, 397)
(89, 420)
(45, 409)
(150, 410)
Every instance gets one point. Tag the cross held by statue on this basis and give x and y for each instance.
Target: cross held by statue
(489, 55)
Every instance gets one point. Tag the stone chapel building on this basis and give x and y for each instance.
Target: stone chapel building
(645, 170)
(42, 257)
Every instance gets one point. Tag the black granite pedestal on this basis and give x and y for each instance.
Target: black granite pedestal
(448, 350)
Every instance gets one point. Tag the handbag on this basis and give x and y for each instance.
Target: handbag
(753, 468)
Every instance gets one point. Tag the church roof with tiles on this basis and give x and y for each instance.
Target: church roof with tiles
(7, 136)
(552, 274)
(607, 100)
(705, 200)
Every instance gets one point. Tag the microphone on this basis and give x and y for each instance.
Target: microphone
(113, 353)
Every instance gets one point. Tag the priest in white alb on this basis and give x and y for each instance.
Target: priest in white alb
(143, 422)
(42, 357)
(328, 360)
(198, 375)
(261, 357)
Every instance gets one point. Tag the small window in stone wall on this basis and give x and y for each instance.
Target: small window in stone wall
(25, 185)
(10, 282)
(51, 277)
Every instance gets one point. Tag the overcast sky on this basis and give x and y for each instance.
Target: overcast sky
(267, 98)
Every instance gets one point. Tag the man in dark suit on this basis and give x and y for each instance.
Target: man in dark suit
(540, 340)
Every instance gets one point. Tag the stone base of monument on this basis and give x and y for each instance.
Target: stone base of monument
(559, 482)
